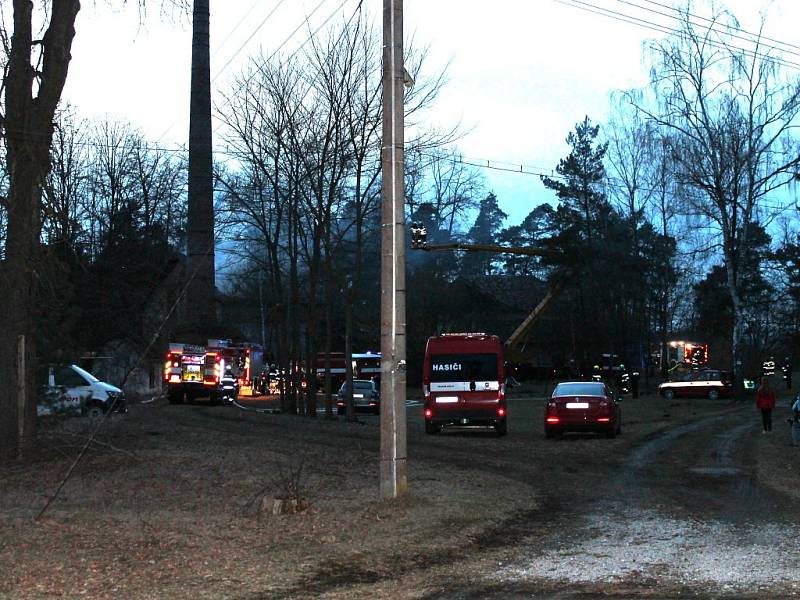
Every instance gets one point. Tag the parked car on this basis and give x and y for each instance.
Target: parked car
(583, 406)
(73, 390)
(366, 397)
(703, 383)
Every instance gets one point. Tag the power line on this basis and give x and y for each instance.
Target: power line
(243, 44)
(236, 27)
(757, 35)
(227, 37)
(521, 169)
(300, 47)
(283, 43)
(633, 20)
(752, 38)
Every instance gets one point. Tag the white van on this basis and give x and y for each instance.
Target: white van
(72, 390)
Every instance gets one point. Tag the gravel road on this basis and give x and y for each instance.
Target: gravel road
(685, 516)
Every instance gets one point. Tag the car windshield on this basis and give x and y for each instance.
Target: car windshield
(579, 389)
(463, 367)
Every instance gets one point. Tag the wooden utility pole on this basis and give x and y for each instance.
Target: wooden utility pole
(200, 307)
(394, 480)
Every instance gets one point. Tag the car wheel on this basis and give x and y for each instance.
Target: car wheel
(339, 411)
(669, 394)
(501, 428)
(619, 428)
(94, 411)
(713, 394)
(432, 429)
(551, 433)
(175, 397)
(612, 433)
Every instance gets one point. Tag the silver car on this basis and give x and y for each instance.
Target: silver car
(366, 397)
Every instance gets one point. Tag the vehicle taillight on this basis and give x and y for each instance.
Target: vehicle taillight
(551, 406)
(552, 419)
(428, 412)
(603, 419)
(501, 412)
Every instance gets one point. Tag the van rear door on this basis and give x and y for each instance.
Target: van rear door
(464, 383)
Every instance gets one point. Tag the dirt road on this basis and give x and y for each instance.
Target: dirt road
(682, 514)
(691, 501)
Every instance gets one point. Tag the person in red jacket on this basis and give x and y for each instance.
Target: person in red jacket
(765, 401)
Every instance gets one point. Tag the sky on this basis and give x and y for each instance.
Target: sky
(522, 73)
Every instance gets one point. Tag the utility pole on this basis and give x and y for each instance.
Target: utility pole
(394, 479)
(200, 305)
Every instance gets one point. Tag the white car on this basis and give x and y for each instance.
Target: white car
(72, 390)
(703, 383)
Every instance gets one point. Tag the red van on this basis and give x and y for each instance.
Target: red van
(464, 382)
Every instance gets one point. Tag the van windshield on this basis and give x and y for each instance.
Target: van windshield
(463, 367)
(85, 374)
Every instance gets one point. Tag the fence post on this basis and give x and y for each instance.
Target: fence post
(21, 394)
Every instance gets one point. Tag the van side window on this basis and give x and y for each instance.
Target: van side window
(68, 378)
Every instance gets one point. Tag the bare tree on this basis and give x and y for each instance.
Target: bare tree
(455, 188)
(631, 156)
(305, 137)
(729, 114)
(66, 183)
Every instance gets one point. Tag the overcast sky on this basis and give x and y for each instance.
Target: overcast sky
(522, 72)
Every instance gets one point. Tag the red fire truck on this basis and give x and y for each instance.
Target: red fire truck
(464, 382)
(366, 365)
(338, 369)
(192, 371)
(682, 354)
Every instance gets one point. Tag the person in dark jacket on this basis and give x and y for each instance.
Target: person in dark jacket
(765, 401)
(786, 372)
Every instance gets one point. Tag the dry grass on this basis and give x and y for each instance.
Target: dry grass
(166, 506)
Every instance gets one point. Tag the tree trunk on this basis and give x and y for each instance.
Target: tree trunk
(29, 133)
(328, 334)
(736, 333)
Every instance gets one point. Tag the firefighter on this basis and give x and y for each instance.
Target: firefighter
(768, 367)
(786, 371)
(635, 384)
(623, 379)
(229, 385)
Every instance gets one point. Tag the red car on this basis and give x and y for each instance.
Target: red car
(590, 406)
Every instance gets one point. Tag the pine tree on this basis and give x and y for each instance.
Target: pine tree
(485, 230)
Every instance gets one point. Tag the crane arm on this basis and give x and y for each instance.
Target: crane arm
(484, 248)
(530, 320)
